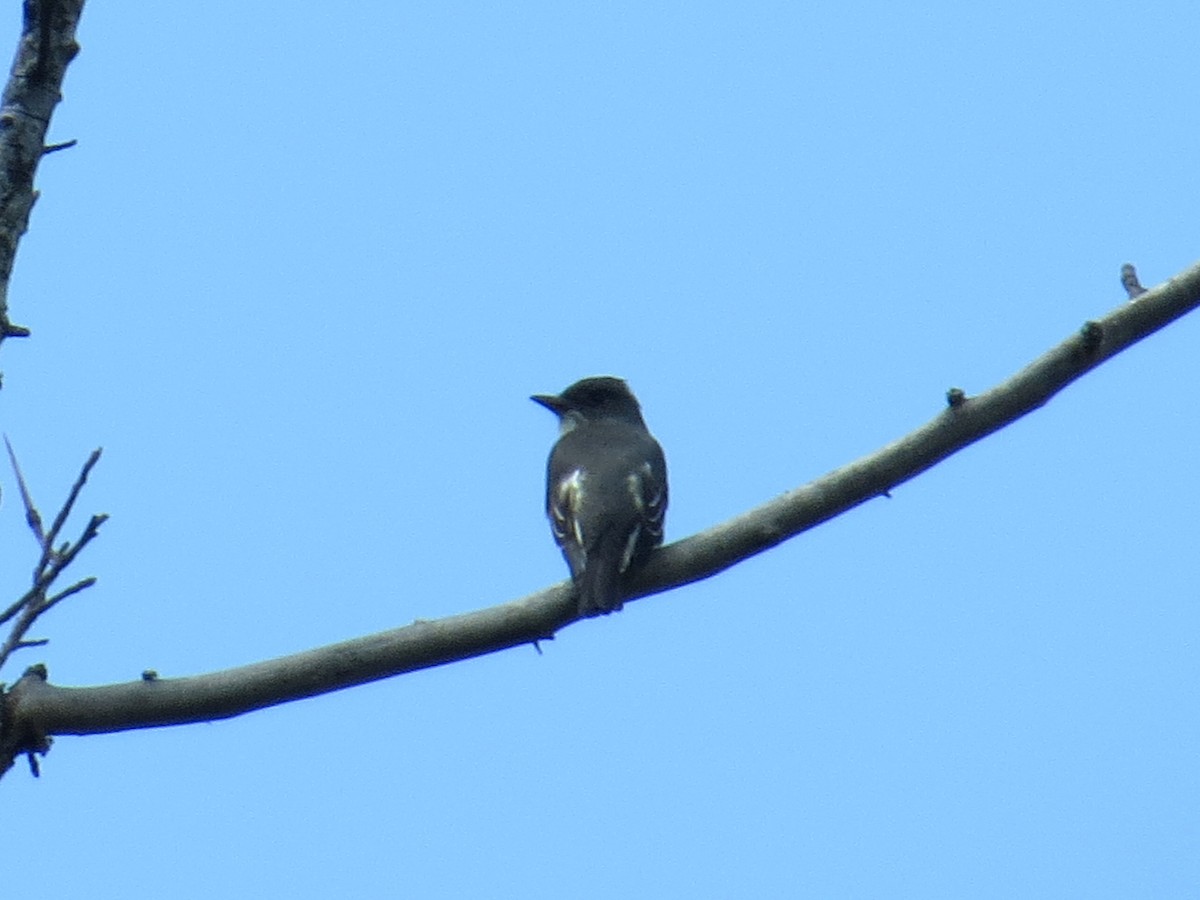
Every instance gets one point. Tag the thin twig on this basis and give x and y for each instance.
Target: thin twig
(73, 589)
(66, 555)
(18, 606)
(54, 148)
(51, 563)
(61, 518)
(32, 517)
(13, 609)
(24, 622)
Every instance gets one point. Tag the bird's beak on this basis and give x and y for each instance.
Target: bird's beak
(552, 402)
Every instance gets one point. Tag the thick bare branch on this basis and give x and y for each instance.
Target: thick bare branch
(966, 420)
(36, 709)
(33, 90)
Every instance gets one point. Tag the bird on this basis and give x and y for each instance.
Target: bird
(606, 488)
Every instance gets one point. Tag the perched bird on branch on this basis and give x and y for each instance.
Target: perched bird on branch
(606, 488)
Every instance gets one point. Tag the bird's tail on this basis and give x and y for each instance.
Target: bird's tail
(599, 584)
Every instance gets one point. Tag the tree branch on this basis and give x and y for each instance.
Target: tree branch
(35, 709)
(965, 421)
(47, 46)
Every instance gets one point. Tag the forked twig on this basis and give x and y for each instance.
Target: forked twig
(51, 561)
(61, 519)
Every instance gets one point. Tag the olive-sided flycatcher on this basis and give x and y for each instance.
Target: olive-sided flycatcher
(606, 488)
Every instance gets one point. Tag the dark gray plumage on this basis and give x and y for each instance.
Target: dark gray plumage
(606, 488)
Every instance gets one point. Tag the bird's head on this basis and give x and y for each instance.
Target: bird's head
(592, 399)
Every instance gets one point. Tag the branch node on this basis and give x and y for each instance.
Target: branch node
(956, 397)
(1092, 334)
(33, 746)
(1129, 281)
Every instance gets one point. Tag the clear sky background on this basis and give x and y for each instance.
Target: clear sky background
(299, 279)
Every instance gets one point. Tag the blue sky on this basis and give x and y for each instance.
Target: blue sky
(299, 279)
